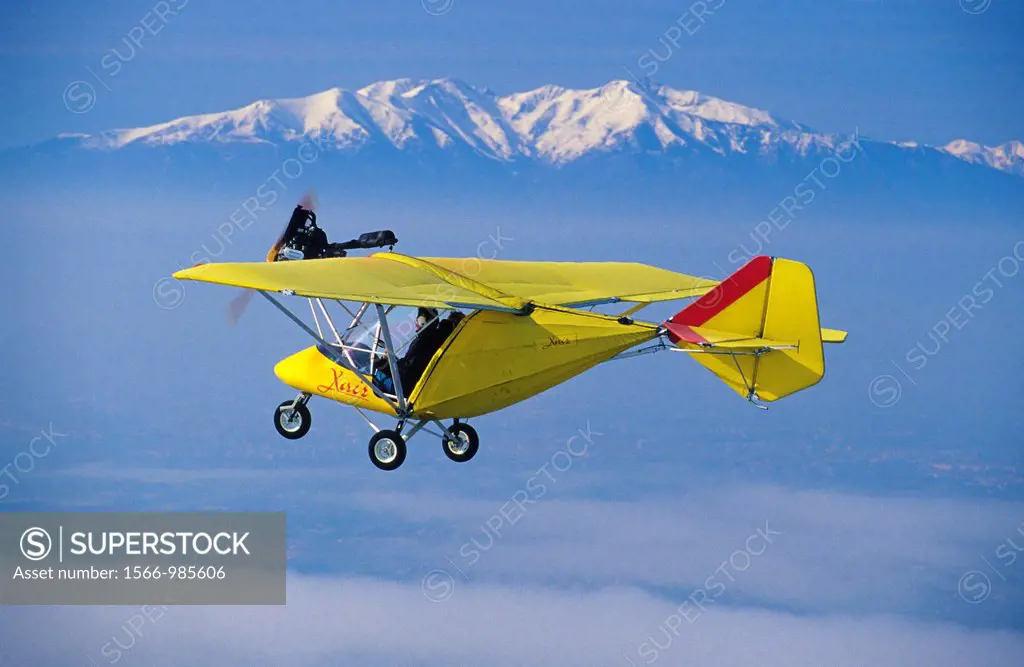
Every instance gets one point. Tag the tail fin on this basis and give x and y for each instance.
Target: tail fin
(758, 330)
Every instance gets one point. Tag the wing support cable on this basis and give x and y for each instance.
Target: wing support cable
(316, 319)
(357, 317)
(330, 322)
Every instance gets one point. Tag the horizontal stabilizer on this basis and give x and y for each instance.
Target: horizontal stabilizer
(712, 338)
(758, 330)
(833, 336)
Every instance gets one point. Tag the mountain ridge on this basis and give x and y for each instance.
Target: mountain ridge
(551, 124)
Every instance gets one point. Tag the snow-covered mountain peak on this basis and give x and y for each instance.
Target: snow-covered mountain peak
(388, 89)
(550, 124)
(448, 86)
(1008, 157)
(307, 113)
(1014, 148)
(564, 124)
(717, 110)
(962, 147)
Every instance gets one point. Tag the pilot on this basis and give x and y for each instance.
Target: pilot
(449, 323)
(431, 333)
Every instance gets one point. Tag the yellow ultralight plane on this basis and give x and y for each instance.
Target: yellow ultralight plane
(528, 329)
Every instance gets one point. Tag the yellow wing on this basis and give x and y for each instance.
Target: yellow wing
(483, 284)
(578, 283)
(363, 279)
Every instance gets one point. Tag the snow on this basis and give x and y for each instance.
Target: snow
(563, 125)
(1013, 148)
(552, 124)
(1008, 157)
(714, 109)
(961, 147)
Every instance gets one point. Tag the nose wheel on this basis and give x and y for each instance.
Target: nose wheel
(292, 419)
(464, 445)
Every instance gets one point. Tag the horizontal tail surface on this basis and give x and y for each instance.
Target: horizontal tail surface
(758, 330)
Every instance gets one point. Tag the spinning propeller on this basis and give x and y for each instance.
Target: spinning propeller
(238, 305)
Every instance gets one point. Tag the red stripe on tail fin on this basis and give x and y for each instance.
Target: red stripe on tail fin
(726, 293)
(763, 323)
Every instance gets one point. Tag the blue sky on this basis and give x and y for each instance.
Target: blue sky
(924, 70)
(895, 517)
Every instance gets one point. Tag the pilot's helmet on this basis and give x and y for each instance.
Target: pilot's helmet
(425, 316)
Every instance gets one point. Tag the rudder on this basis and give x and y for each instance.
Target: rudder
(758, 330)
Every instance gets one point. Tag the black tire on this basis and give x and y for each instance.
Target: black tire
(467, 445)
(285, 423)
(381, 455)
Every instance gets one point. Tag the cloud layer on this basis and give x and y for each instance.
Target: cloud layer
(330, 621)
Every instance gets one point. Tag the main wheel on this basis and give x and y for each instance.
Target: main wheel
(387, 449)
(465, 444)
(292, 423)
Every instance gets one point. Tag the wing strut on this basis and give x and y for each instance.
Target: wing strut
(335, 357)
(392, 357)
